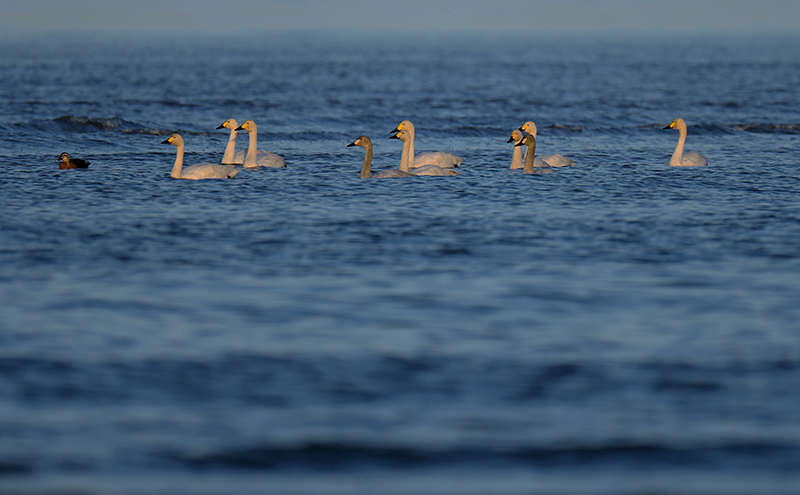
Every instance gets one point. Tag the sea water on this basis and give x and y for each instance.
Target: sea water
(616, 327)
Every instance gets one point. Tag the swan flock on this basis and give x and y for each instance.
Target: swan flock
(437, 163)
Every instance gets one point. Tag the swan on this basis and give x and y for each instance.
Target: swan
(408, 157)
(529, 140)
(67, 162)
(255, 157)
(516, 157)
(556, 160)
(439, 158)
(366, 143)
(200, 170)
(679, 158)
(231, 156)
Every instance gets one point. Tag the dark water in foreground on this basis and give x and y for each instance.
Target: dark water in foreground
(619, 327)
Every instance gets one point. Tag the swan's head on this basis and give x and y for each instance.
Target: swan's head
(528, 127)
(248, 125)
(516, 136)
(404, 125)
(229, 124)
(174, 140)
(676, 124)
(362, 141)
(527, 140)
(401, 135)
(64, 157)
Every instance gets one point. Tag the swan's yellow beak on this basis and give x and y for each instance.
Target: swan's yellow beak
(240, 128)
(396, 135)
(398, 128)
(670, 126)
(167, 141)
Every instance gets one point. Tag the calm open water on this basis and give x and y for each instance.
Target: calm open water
(619, 327)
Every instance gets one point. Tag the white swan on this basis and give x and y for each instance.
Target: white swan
(255, 157)
(67, 162)
(438, 158)
(529, 140)
(516, 156)
(366, 143)
(231, 156)
(679, 158)
(556, 160)
(200, 170)
(408, 157)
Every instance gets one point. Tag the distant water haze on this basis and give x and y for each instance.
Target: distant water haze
(744, 16)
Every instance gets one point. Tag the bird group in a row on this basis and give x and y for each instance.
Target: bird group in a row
(437, 163)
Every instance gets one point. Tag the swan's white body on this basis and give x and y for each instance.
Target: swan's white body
(679, 157)
(438, 158)
(516, 156)
(254, 158)
(366, 143)
(556, 160)
(200, 170)
(408, 157)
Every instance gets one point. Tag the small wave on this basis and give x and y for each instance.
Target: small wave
(768, 128)
(83, 124)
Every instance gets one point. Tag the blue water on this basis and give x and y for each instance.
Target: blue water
(618, 327)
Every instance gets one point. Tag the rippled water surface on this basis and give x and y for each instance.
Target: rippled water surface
(618, 327)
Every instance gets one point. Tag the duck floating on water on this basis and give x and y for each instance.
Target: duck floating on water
(67, 162)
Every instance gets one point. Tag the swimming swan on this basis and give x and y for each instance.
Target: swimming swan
(556, 160)
(231, 156)
(439, 158)
(200, 170)
(530, 141)
(679, 158)
(516, 156)
(408, 157)
(67, 162)
(255, 157)
(366, 143)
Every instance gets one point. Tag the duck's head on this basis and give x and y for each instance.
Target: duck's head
(528, 127)
(248, 125)
(362, 141)
(676, 124)
(516, 136)
(402, 135)
(527, 140)
(175, 140)
(64, 157)
(229, 124)
(404, 125)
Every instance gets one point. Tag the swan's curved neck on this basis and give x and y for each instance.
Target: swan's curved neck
(407, 158)
(366, 167)
(528, 169)
(176, 169)
(230, 149)
(252, 150)
(516, 157)
(677, 156)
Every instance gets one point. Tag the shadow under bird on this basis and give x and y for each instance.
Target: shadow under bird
(67, 162)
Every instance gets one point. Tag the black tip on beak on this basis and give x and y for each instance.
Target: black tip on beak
(510, 139)
(240, 128)
(222, 126)
(669, 126)
(352, 144)
(396, 129)
(394, 136)
(166, 141)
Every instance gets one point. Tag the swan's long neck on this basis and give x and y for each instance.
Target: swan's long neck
(516, 157)
(407, 157)
(528, 169)
(230, 149)
(677, 156)
(176, 169)
(252, 150)
(366, 167)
